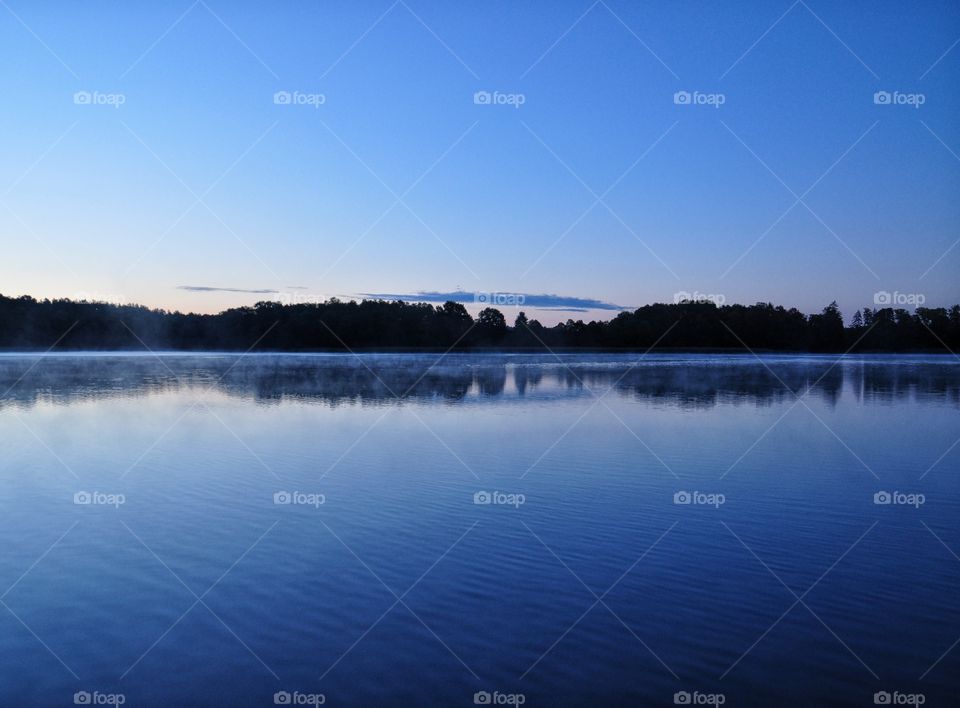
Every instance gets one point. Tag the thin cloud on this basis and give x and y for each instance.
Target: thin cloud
(540, 301)
(209, 289)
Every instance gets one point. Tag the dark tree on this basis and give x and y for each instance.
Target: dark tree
(492, 324)
(826, 329)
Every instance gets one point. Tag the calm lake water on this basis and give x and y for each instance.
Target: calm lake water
(410, 530)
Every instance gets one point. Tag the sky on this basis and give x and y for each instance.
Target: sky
(565, 158)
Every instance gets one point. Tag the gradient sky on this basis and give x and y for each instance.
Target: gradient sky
(200, 179)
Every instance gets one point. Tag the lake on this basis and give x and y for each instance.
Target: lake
(590, 529)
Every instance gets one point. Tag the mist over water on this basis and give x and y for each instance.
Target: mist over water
(413, 529)
(677, 379)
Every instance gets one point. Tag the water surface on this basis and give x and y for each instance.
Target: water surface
(383, 582)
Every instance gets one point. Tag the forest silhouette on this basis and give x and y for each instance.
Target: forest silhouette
(335, 325)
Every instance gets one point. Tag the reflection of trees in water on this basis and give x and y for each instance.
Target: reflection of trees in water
(904, 383)
(491, 380)
(527, 376)
(377, 380)
(707, 386)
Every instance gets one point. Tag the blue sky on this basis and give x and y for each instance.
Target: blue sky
(583, 177)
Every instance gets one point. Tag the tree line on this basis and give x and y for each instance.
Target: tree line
(27, 323)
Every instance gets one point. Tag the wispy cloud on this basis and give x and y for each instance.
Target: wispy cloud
(536, 301)
(540, 301)
(209, 289)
